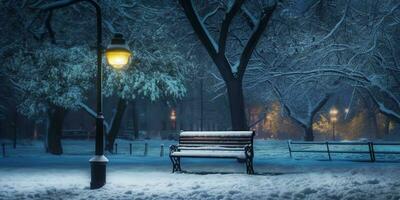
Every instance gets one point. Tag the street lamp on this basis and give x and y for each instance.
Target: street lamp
(118, 55)
(333, 113)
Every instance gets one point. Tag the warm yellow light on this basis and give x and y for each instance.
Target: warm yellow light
(333, 111)
(173, 115)
(118, 59)
(118, 54)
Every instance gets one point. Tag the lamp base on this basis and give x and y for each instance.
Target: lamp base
(98, 171)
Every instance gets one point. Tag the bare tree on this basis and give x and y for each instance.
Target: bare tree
(232, 73)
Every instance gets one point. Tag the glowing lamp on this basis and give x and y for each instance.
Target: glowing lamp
(118, 54)
(173, 115)
(333, 112)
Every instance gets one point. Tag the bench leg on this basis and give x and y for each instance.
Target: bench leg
(249, 166)
(176, 164)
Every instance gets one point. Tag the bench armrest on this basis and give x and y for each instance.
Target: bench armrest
(248, 150)
(173, 148)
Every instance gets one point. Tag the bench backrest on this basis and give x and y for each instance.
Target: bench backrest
(232, 139)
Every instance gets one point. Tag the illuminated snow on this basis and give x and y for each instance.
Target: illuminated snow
(35, 175)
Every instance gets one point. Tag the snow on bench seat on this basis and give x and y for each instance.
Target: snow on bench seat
(210, 148)
(216, 134)
(209, 154)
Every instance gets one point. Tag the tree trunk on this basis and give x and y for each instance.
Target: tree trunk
(56, 121)
(308, 133)
(135, 120)
(236, 104)
(115, 125)
(386, 127)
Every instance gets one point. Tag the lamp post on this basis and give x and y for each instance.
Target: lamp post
(333, 113)
(118, 55)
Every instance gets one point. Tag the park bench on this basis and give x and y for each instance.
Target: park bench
(213, 144)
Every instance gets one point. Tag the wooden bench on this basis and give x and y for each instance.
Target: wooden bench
(213, 144)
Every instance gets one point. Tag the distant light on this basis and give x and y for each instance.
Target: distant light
(117, 53)
(333, 112)
(173, 115)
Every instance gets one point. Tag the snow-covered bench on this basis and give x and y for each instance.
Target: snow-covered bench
(214, 144)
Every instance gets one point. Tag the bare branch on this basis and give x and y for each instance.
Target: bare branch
(253, 40)
(199, 27)
(226, 22)
(210, 14)
(221, 62)
(251, 20)
(340, 22)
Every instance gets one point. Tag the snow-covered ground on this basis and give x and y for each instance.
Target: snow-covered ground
(29, 173)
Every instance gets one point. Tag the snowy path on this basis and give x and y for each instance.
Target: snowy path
(67, 177)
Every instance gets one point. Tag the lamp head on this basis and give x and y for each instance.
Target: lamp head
(118, 54)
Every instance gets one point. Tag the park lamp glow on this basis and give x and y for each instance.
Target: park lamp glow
(118, 54)
(333, 112)
(173, 115)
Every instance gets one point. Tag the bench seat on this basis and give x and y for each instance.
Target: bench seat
(210, 154)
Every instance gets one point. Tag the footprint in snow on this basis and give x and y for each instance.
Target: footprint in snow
(232, 192)
(373, 182)
(356, 183)
(196, 187)
(308, 191)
